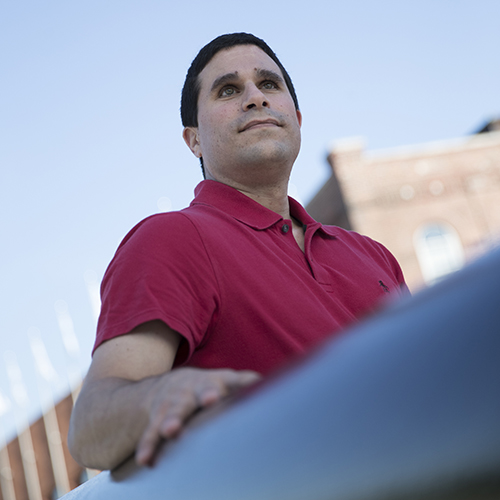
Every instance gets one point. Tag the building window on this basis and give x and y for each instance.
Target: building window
(439, 251)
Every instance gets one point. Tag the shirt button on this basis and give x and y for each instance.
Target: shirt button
(285, 228)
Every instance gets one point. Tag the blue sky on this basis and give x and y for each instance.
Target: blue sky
(91, 134)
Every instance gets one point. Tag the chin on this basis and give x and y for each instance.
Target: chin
(266, 155)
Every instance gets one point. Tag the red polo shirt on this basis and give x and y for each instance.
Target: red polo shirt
(228, 275)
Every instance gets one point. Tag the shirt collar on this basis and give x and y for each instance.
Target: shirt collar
(236, 204)
(253, 214)
(298, 212)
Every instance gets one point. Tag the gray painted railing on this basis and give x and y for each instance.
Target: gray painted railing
(404, 406)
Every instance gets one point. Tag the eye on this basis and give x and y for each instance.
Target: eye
(227, 92)
(269, 85)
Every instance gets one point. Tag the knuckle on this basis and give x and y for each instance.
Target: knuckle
(149, 436)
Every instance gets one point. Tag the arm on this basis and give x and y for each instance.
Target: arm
(130, 399)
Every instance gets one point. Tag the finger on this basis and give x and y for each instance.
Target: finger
(185, 403)
(147, 445)
(210, 395)
(167, 423)
(223, 383)
(235, 380)
(171, 426)
(249, 377)
(180, 409)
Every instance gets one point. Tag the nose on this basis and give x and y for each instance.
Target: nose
(254, 98)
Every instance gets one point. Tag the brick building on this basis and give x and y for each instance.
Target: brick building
(434, 205)
(28, 461)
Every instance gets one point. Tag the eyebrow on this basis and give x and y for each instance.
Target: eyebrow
(269, 75)
(222, 80)
(233, 77)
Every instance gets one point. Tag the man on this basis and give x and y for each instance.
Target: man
(232, 286)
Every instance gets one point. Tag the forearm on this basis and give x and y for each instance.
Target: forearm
(115, 417)
(108, 420)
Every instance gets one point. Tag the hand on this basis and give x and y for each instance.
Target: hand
(178, 395)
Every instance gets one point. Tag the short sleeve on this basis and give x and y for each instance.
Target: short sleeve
(161, 271)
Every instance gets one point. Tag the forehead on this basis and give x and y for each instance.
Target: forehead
(244, 60)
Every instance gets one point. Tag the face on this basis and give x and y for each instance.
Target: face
(248, 127)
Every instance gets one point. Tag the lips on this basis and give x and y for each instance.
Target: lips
(260, 123)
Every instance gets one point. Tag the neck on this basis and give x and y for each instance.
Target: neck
(275, 199)
(272, 195)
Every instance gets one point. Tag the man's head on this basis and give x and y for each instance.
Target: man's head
(192, 84)
(191, 89)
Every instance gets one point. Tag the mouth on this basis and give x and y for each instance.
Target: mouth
(269, 122)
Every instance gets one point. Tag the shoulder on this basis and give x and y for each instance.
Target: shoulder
(165, 240)
(181, 228)
(161, 249)
(159, 226)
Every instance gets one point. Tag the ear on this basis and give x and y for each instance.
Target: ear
(299, 117)
(191, 138)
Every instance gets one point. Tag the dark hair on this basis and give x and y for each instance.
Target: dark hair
(191, 89)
